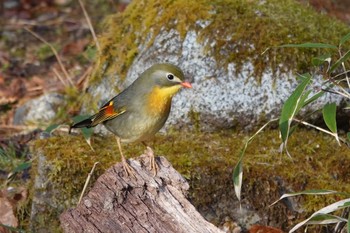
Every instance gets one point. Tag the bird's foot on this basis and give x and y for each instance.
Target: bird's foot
(127, 168)
(153, 166)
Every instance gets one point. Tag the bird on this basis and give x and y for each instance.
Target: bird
(138, 112)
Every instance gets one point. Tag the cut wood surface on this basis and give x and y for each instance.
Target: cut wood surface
(143, 203)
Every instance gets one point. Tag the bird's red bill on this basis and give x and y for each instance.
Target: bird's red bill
(186, 84)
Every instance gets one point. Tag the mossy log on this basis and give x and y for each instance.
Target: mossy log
(143, 203)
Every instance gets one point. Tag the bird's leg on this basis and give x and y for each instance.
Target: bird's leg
(127, 168)
(153, 166)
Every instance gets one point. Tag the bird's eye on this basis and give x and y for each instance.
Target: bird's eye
(170, 76)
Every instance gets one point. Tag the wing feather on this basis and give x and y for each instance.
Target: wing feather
(106, 113)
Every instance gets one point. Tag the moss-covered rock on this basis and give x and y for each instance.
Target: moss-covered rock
(207, 160)
(220, 46)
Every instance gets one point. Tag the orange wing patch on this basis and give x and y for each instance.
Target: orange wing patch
(106, 113)
(109, 109)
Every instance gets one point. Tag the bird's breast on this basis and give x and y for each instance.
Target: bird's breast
(159, 100)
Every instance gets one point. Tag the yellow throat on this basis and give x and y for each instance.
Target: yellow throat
(159, 101)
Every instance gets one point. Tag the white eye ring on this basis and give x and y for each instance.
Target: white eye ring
(170, 76)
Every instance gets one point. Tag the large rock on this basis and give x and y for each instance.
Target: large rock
(39, 110)
(219, 45)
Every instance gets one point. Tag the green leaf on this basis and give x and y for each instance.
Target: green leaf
(345, 57)
(80, 118)
(238, 170)
(302, 100)
(309, 45)
(87, 132)
(307, 192)
(317, 61)
(313, 98)
(348, 136)
(237, 178)
(328, 209)
(51, 128)
(344, 39)
(321, 219)
(292, 106)
(329, 116)
(349, 224)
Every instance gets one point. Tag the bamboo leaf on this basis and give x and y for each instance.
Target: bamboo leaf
(309, 45)
(345, 57)
(237, 178)
(348, 224)
(238, 170)
(321, 219)
(313, 98)
(328, 209)
(306, 192)
(329, 116)
(345, 38)
(290, 107)
(317, 61)
(51, 128)
(87, 132)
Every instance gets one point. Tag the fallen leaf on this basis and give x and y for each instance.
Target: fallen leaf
(7, 215)
(76, 47)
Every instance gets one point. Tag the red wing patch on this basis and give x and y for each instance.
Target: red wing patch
(106, 113)
(109, 109)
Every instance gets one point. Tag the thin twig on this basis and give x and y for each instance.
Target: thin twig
(20, 127)
(32, 89)
(344, 68)
(320, 129)
(59, 76)
(90, 26)
(84, 76)
(345, 94)
(55, 53)
(87, 181)
(337, 75)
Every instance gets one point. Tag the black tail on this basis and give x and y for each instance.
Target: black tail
(81, 124)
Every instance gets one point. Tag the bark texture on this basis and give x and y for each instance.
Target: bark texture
(144, 203)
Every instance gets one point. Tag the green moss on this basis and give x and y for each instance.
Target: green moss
(241, 31)
(207, 160)
(195, 119)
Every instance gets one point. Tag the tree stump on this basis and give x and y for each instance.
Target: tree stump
(143, 203)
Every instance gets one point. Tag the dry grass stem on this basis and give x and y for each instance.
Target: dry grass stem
(55, 53)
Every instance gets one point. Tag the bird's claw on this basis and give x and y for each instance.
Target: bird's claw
(128, 169)
(153, 166)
